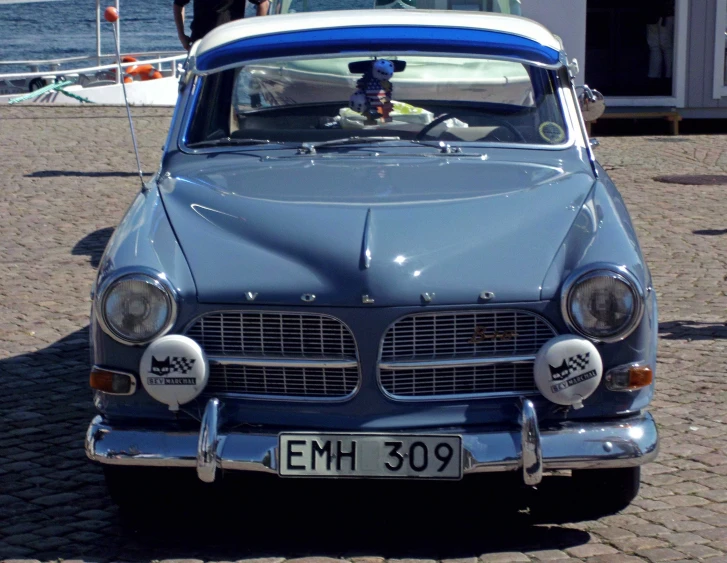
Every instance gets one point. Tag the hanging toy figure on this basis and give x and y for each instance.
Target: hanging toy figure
(372, 99)
(358, 102)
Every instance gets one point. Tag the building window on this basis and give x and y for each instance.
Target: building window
(722, 39)
(720, 51)
(630, 47)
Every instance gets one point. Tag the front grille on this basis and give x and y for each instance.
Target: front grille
(278, 354)
(467, 353)
(459, 380)
(431, 336)
(284, 381)
(287, 335)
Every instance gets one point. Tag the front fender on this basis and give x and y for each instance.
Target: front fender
(143, 242)
(603, 232)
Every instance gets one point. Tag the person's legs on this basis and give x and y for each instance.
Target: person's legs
(655, 56)
(666, 42)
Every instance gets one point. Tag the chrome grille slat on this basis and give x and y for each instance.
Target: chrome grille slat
(460, 380)
(254, 354)
(461, 353)
(284, 382)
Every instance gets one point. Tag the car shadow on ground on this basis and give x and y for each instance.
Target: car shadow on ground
(80, 174)
(711, 232)
(692, 330)
(54, 503)
(246, 516)
(340, 525)
(93, 245)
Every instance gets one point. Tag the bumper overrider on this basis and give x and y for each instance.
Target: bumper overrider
(623, 442)
(567, 371)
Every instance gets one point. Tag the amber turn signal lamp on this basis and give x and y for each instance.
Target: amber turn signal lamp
(113, 382)
(640, 376)
(629, 377)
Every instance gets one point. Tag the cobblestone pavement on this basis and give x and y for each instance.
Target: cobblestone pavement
(68, 176)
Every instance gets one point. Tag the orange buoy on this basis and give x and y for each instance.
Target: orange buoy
(111, 14)
(140, 69)
(152, 75)
(125, 59)
(128, 79)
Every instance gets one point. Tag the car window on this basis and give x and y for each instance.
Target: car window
(309, 99)
(497, 6)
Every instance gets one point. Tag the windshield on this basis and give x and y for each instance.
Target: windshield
(499, 6)
(409, 97)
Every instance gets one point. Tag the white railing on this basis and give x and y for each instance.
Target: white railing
(90, 57)
(85, 70)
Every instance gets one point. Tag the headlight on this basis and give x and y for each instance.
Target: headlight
(136, 308)
(604, 305)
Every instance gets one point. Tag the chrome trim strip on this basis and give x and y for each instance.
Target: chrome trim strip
(208, 442)
(428, 364)
(380, 54)
(458, 397)
(532, 455)
(366, 258)
(187, 115)
(592, 270)
(583, 130)
(623, 442)
(282, 362)
(285, 398)
(193, 100)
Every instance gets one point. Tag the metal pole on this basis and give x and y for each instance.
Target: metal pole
(126, 101)
(118, 32)
(98, 32)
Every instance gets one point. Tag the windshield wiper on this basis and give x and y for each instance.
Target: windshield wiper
(310, 148)
(228, 142)
(444, 148)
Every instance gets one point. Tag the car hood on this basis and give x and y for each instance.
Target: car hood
(450, 227)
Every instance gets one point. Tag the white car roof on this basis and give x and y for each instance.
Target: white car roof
(272, 24)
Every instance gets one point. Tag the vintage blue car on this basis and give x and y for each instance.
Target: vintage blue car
(378, 245)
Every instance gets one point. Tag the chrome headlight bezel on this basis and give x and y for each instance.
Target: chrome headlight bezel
(155, 279)
(596, 270)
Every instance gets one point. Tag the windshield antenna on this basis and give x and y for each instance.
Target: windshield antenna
(111, 15)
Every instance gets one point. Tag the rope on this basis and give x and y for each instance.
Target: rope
(39, 91)
(59, 87)
(75, 96)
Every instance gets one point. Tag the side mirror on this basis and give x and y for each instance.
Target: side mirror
(592, 103)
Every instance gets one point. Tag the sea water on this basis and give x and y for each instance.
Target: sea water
(46, 29)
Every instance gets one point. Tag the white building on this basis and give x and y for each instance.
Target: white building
(645, 56)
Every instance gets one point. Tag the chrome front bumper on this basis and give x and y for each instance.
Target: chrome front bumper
(623, 442)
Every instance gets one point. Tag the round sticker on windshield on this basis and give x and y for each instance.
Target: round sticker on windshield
(552, 132)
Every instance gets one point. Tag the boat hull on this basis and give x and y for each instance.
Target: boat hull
(159, 92)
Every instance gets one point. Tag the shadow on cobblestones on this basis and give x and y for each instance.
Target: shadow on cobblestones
(692, 330)
(93, 245)
(260, 516)
(711, 232)
(54, 503)
(79, 174)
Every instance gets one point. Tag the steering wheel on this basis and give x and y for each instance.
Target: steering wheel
(449, 115)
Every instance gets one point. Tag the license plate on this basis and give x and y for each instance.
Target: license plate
(370, 455)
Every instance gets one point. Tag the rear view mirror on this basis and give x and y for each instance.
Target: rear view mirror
(591, 102)
(360, 67)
